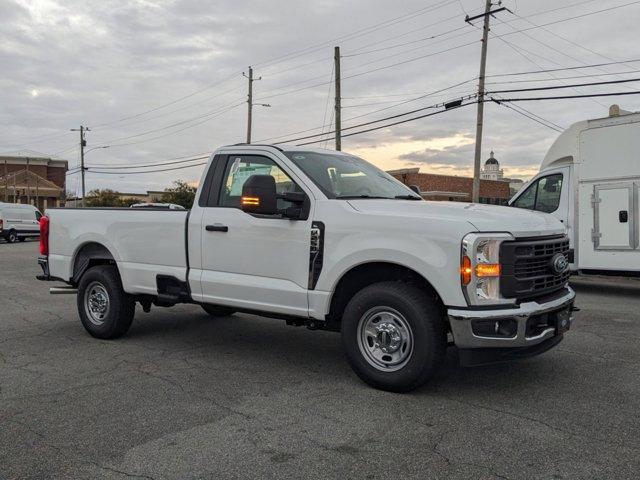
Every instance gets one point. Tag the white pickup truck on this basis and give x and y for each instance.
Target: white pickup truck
(327, 240)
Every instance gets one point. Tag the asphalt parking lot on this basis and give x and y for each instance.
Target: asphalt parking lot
(187, 396)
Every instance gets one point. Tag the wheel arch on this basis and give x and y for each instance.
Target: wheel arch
(368, 273)
(89, 255)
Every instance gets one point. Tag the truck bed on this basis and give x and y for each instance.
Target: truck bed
(145, 243)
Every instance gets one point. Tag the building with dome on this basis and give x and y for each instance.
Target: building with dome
(492, 170)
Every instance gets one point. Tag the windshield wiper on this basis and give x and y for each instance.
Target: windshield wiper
(407, 197)
(353, 197)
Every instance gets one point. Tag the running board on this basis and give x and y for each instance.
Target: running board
(62, 290)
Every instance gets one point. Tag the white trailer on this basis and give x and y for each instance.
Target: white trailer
(590, 180)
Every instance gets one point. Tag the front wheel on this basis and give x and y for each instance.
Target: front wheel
(394, 336)
(12, 237)
(106, 310)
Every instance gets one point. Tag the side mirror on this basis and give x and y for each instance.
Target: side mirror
(415, 188)
(259, 195)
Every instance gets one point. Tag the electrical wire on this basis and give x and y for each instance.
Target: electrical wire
(358, 33)
(393, 124)
(563, 97)
(556, 87)
(147, 171)
(127, 167)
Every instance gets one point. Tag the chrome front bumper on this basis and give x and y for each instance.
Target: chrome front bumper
(461, 322)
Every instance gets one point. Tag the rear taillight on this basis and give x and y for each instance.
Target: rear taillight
(1, 224)
(44, 235)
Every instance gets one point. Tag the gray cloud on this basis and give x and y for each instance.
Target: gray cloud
(97, 62)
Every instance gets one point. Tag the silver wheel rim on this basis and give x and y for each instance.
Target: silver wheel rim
(13, 237)
(96, 303)
(385, 339)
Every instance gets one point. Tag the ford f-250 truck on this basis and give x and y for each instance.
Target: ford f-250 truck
(327, 240)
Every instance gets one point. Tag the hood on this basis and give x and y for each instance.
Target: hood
(483, 218)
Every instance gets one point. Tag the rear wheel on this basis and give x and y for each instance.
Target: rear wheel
(106, 310)
(12, 236)
(394, 336)
(217, 311)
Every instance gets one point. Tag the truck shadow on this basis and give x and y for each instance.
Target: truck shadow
(269, 346)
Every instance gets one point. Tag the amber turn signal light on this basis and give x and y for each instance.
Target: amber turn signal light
(252, 201)
(488, 270)
(465, 270)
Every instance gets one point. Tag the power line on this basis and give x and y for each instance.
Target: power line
(358, 33)
(394, 123)
(572, 77)
(580, 67)
(556, 87)
(525, 113)
(129, 117)
(562, 97)
(166, 127)
(420, 97)
(147, 171)
(179, 130)
(127, 167)
(371, 122)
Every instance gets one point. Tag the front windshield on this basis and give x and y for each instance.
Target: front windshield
(346, 176)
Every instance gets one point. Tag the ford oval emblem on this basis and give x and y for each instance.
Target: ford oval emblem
(559, 263)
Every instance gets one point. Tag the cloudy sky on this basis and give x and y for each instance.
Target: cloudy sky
(160, 80)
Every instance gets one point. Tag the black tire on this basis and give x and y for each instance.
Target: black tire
(398, 305)
(12, 236)
(217, 311)
(98, 282)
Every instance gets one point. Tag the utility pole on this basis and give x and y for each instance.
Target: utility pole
(483, 64)
(250, 103)
(338, 108)
(26, 183)
(83, 143)
(6, 181)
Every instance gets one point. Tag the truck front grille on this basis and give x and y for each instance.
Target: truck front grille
(530, 267)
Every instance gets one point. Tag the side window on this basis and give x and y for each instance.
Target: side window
(549, 190)
(240, 167)
(528, 198)
(38, 215)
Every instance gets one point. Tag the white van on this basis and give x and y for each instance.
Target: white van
(18, 222)
(590, 181)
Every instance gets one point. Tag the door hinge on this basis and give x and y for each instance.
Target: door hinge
(595, 236)
(595, 199)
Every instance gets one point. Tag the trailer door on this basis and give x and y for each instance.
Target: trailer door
(615, 217)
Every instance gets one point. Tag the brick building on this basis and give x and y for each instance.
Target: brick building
(32, 178)
(453, 188)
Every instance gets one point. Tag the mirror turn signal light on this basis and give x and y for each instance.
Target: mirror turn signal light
(488, 270)
(251, 201)
(466, 270)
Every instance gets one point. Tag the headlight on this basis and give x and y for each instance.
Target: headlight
(480, 268)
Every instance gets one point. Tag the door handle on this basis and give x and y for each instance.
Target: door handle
(623, 216)
(217, 228)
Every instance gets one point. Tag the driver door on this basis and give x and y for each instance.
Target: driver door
(250, 261)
